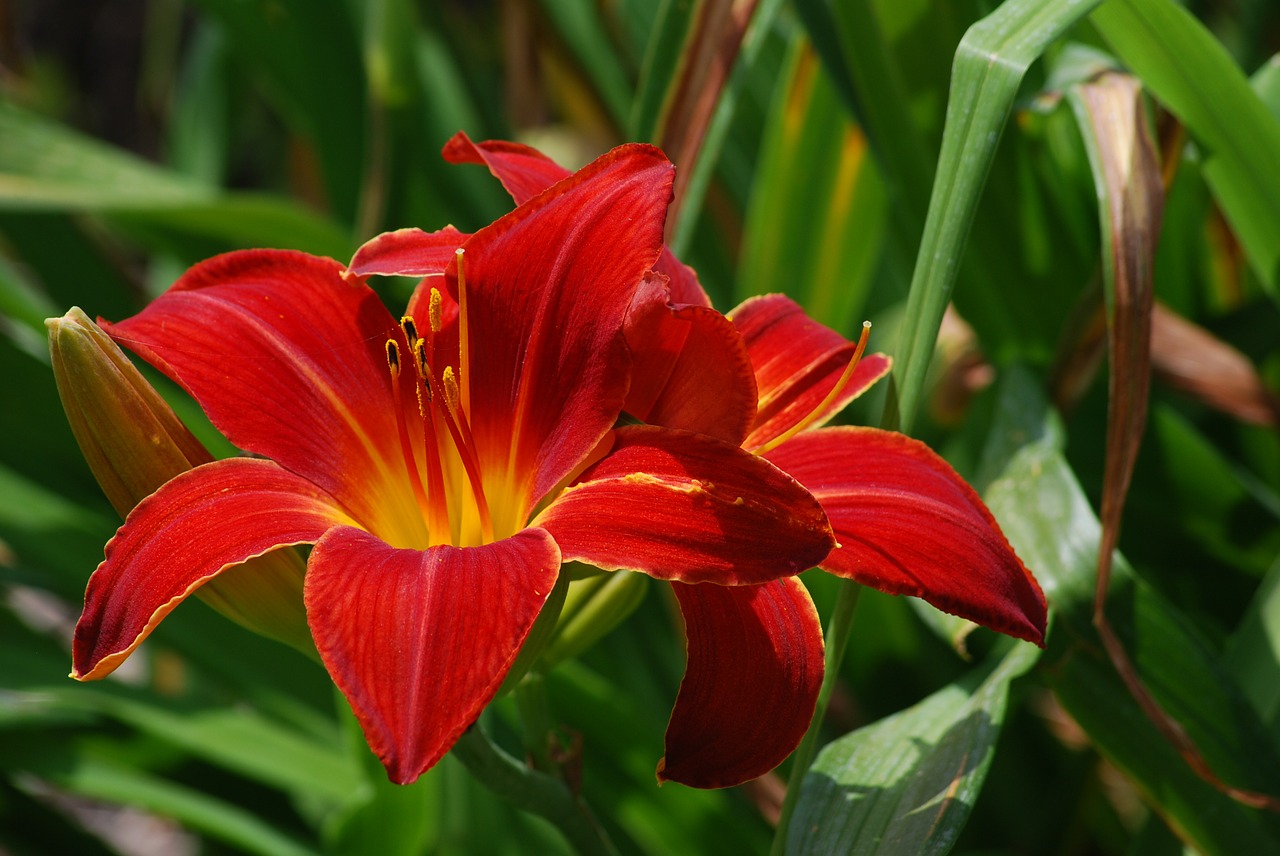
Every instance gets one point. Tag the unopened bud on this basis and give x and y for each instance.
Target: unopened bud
(134, 443)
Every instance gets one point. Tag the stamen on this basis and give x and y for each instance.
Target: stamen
(450, 387)
(406, 446)
(464, 350)
(463, 444)
(437, 511)
(410, 331)
(434, 311)
(831, 396)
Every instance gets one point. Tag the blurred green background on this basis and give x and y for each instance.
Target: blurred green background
(847, 152)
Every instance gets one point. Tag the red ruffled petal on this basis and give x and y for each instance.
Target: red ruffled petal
(193, 528)
(754, 670)
(690, 370)
(681, 506)
(548, 288)
(683, 284)
(419, 642)
(407, 252)
(908, 524)
(288, 360)
(524, 172)
(797, 362)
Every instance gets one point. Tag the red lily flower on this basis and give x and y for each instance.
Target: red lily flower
(905, 521)
(427, 461)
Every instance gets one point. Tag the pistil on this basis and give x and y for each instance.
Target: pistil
(816, 413)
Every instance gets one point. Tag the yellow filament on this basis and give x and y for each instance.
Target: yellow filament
(461, 442)
(816, 412)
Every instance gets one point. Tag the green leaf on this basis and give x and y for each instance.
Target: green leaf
(78, 772)
(1049, 522)
(44, 166)
(241, 740)
(1266, 83)
(989, 65)
(816, 220)
(1253, 653)
(579, 23)
(907, 783)
(661, 69)
(1185, 67)
(746, 68)
(307, 56)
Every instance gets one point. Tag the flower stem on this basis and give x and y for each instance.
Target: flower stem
(535, 719)
(532, 791)
(839, 629)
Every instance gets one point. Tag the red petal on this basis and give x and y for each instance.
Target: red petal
(419, 642)
(288, 360)
(407, 252)
(194, 527)
(524, 172)
(548, 287)
(682, 506)
(690, 370)
(908, 524)
(755, 667)
(798, 362)
(684, 285)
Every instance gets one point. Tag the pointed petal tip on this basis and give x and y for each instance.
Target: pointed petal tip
(908, 524)
(755, 667)
(399, 633)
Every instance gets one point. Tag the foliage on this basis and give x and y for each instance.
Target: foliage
(933, 167)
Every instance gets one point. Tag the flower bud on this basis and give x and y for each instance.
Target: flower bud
(134, 443)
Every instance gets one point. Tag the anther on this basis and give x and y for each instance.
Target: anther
(410, 330)
(424, 368)
(393, 358)
(434, 313)
(450, 388)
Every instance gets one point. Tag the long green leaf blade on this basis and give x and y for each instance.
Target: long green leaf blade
(989, 65)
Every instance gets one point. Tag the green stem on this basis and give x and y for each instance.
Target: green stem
(839, 629)
(532, 791)
(535, 720)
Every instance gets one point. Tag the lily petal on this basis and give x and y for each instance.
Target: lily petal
(682, 506)
(193, 528)
(288, 360)
(798, 362)
(407, 252)
(547, 291)
(686, 289)
(690, 370)
(749, 690)
(524, 171)
(908, 524)
(419, 642)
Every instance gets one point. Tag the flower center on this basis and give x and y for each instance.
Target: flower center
(451, 497)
